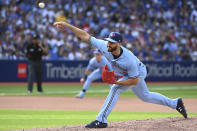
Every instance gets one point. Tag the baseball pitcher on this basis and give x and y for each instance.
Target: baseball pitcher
(125, 63)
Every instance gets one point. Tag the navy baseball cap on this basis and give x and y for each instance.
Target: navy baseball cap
(114, 37)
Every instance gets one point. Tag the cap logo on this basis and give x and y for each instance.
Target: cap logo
(113, 34)
(114, 37)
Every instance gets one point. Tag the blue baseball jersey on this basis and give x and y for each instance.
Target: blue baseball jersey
(94, 64)
(127, 64)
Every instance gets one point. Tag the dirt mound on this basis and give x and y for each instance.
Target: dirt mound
(161, 124)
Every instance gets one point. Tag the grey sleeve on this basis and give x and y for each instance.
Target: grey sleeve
(98, 43)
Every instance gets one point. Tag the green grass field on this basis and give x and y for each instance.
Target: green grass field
(100, 90)
(26, 119)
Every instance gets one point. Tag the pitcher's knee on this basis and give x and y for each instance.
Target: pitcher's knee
(146, 97)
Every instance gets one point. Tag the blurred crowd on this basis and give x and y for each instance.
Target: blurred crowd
(159, 30)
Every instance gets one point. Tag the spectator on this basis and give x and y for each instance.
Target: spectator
(150, 22)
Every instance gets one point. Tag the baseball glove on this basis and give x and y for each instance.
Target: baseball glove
(108, 76)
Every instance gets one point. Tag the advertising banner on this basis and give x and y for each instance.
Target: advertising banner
(72, 71)
(171, 71)
(22, 70)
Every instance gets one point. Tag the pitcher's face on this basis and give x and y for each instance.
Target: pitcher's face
(112, 46)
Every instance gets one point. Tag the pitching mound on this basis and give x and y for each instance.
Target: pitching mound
(161, 124)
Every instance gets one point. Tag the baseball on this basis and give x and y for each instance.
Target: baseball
(41, 5)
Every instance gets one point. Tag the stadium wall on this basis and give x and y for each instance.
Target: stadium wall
(72, 71)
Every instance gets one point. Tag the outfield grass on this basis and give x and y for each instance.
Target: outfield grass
(26, 119)
(98, 90)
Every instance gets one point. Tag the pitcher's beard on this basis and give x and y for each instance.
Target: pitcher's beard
(110, 49)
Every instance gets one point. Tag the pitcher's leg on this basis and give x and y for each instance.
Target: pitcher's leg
(110, 102)
(143, 93)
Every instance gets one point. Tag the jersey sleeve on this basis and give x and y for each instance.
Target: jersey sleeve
(98, 43)
(133, 70)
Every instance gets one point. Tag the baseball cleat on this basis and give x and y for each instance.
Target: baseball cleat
(80, 95)
(96, 124)
(181, 108)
